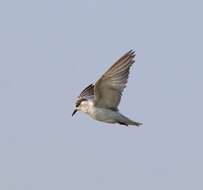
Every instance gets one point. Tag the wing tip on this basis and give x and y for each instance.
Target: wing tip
(132, 52)
(87, 90)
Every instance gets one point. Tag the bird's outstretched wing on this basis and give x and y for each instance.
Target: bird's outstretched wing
(87, 93)
(108, 89)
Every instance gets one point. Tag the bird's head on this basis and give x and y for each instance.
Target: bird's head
(81, 105)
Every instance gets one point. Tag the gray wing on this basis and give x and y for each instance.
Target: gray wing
(108, 89)
(87, 93)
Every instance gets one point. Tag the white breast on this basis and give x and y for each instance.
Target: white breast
(102, 114)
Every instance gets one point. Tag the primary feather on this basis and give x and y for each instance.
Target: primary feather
(108, 89)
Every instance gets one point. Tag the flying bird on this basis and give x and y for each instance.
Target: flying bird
(101, 100)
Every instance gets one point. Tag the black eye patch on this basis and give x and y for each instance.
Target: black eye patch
(79, 102)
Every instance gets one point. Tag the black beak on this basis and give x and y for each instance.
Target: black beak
(74, 112)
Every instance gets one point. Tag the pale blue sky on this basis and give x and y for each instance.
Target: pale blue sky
(50, 50)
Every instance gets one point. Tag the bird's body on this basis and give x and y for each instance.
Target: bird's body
(100, 101)
(104, 114)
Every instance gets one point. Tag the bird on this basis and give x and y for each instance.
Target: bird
(100, 100)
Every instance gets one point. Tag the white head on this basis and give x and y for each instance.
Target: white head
(81, 105)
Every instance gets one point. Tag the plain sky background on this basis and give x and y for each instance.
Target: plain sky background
(50, 50)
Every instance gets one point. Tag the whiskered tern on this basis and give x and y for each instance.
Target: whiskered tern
(101, 100)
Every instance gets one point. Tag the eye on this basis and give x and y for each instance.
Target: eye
(79, 102)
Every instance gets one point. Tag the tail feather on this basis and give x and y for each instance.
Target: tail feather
(126, 121)
(134, 123)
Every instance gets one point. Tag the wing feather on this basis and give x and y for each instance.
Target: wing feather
(108, 89)
(87, 93)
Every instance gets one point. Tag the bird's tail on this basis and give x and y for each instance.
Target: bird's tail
(130, 122)
(126, 121)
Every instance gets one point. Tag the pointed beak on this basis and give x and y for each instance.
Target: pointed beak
(74, 112)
